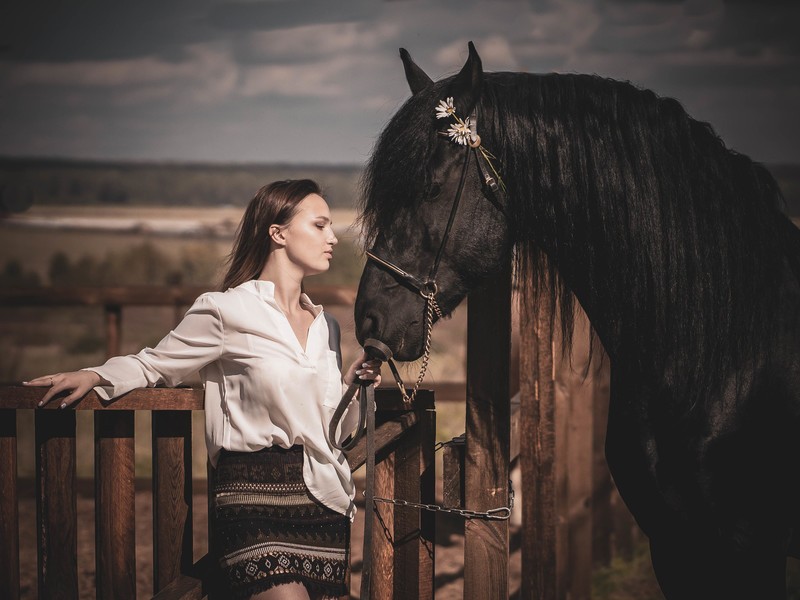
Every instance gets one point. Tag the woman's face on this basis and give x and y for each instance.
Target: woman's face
(309, 235)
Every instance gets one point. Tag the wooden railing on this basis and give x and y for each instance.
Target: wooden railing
(405, 466)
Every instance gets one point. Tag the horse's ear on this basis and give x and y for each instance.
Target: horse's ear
(417, 79)
(469, 81)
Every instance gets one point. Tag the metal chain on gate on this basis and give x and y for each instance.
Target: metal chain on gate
(496, 514)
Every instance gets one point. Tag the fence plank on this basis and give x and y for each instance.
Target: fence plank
(603, 486)
(488, 433)
(172, 496)
(414, 529)
(9, 508)
(157, 399)
(56, 506)
(574, 392)
(537, 451)
(383, 530)
(115, 511)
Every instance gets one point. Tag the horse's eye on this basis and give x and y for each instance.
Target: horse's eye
(434, 191)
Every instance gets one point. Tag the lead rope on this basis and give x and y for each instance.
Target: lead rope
(369, 491)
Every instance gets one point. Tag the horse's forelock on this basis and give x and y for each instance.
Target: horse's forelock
(397, 173)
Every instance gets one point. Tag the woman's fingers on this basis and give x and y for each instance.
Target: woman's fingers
(369, 370)
(52, 392)
(44, 380)
(76, 384)
(75, 395)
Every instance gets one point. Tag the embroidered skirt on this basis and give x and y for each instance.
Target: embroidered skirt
(270, 530)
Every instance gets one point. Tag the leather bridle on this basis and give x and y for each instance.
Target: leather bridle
(428, 288)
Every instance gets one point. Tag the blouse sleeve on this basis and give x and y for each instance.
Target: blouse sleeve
(197, 341)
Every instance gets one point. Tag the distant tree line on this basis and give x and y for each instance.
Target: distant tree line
(142, 264)
(24, 182)
(147, 264)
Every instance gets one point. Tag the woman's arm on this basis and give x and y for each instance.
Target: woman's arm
(197, 341)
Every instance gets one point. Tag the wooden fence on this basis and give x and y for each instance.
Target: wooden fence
(554, 429)
(572, 519)
(405, 450)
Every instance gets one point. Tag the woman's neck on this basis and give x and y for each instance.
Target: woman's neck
(288, 285)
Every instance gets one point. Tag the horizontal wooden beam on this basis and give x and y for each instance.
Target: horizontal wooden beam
(14, 395)
(181, 398)
(143, 295)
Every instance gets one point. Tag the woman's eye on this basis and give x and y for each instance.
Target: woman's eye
(434, 191)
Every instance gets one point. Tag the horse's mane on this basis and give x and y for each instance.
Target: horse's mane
(681, 238)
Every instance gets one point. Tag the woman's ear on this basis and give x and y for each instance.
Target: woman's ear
(276, 235)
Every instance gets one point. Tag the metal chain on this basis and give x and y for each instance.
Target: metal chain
(430, 307)
(496, 514)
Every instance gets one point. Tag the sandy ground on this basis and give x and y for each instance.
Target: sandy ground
(449, 548)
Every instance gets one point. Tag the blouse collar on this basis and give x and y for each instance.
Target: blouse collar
(265, 289)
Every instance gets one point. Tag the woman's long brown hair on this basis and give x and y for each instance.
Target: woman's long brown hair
(274, 204)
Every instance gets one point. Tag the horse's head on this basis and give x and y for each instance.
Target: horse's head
(432, 210)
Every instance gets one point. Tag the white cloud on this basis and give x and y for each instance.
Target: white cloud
(208, 73)
(320, 40)
(494, 50)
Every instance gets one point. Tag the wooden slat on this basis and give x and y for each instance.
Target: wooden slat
(9, 508)
(156, 399)
(537, 452)
(574, 391)
(386, 435)
(382, 582)
(413, 534)
(453, 473)
(426, 552)
(603, 486)
(56, 506)
(488, 438)
(115, 511)
(172, 496)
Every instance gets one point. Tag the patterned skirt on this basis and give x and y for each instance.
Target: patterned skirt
(270, 530)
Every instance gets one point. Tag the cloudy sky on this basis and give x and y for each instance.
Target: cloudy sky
(314, 81)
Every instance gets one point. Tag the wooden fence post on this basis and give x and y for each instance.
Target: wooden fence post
(537, 451)
(488, 433)
(9, 508)
(56, 504)
(172, 495)
(574, 393)
(115, 498)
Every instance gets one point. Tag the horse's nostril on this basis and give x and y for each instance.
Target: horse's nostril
(367, 328)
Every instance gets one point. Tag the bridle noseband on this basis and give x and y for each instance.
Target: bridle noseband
(428, 288)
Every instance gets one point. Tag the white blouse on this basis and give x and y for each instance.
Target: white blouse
(262, 388)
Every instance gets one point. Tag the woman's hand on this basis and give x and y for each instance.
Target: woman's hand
(365, 369)
(78, 383)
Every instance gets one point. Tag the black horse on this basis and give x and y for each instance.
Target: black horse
(678, 250)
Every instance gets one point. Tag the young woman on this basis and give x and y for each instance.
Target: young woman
(283, 493)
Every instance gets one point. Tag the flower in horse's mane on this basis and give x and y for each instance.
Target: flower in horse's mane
(461, 131)
(445, 108)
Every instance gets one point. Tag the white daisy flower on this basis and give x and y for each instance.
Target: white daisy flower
(461, 132)
(445, 108)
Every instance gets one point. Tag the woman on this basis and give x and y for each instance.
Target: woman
(283, 493)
